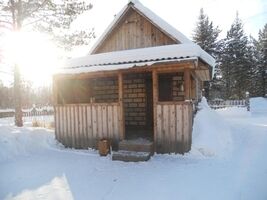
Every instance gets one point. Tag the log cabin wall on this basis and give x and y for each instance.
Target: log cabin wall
(134, 31)
(135, 100)
(138, 105)
(171, 87)
(105, 90)
(79, 91)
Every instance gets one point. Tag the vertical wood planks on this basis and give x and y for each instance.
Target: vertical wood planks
(139, 32)
(174, 128)
(85, 138)
(179, 129)
(121, 113)
(94, 122)
(158, 129)
(76, 125)
(72, 122)
(99, 122)
(80, 126)
(110, 128)
(116, 121)
(105, 122)
(155, 108)
(57, 131)
(165, 128)
(89, 126)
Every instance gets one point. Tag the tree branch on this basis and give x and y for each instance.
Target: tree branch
(33, 22)
(5, 22)
(37, 8)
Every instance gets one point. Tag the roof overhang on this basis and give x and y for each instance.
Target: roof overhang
(136, 57)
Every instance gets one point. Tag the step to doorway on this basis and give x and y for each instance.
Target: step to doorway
(134, 150)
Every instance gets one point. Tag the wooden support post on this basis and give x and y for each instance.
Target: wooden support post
(55, 103)
(121, 114)
(187, 83)
(155, 102)
(55, 91)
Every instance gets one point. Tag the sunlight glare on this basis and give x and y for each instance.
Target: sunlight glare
(36, 56)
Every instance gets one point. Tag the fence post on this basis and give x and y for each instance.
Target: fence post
(247, 101)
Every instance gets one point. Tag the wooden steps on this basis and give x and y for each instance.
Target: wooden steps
(134, 150)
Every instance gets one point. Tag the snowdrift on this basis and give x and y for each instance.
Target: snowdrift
(258, 105)
(211, 134)
(24, 141)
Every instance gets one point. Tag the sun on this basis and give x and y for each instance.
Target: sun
(36, 56)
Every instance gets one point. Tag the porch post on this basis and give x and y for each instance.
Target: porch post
(55, 103)
(55, 91)
(187, 83)
(155, 102)
(121, 114)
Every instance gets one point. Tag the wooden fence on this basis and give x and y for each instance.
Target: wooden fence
(229, 103)
(173, 127)
(29, 112)
(81, 126)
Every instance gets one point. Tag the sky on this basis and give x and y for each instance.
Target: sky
(181, 14)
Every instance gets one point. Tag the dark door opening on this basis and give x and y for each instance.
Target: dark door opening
(138, 106)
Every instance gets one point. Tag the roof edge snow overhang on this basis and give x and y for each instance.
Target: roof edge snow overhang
(167, 52)
(124, 66)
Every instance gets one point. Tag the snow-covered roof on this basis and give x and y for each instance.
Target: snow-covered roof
(136, 57)
(151, 16)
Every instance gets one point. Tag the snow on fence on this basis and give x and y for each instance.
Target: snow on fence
(42, 114)
(219, 104)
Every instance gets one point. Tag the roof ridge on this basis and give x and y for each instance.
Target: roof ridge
(146, 12)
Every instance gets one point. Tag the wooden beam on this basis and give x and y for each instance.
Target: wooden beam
(55, 91)
(121, 117)
(155, 102)
(187, 83)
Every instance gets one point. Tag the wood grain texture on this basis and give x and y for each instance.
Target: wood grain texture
(133, 31)
(174, 128)
(81, 126)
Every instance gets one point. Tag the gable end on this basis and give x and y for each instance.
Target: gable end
(133, 30)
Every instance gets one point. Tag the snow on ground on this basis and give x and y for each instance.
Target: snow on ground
(34, 166)
(211, 134)
(258, 105)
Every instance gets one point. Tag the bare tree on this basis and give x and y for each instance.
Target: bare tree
(51, 16)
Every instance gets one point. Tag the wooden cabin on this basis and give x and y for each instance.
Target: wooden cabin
(141, 80)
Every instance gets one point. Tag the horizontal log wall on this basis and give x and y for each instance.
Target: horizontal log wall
(81, 126)
(173, 127)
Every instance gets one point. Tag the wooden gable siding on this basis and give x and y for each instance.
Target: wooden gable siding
(133, 31)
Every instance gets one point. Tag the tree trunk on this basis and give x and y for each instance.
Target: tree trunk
(16, 19)
(17, 97)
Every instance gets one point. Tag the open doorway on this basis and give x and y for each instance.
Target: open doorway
(138, 106)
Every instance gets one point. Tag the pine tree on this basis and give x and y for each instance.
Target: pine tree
(261, 46)
(235, 61)
(206, 35)
(51, 16)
